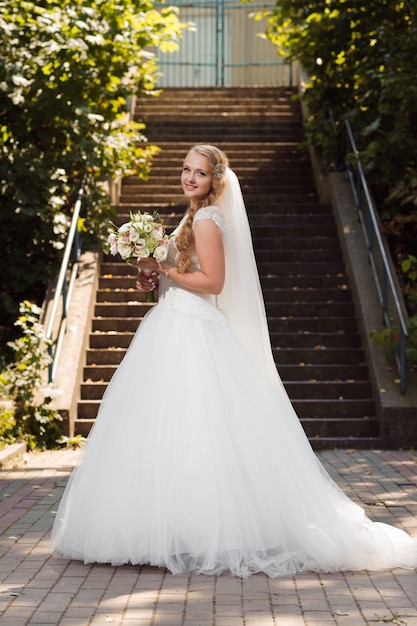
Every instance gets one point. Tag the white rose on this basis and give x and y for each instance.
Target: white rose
(147, 228)
(157, 233)
(161, 253)
(123, 250)
(143, 253)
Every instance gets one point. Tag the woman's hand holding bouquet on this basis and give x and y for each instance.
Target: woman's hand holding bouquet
(143, 237)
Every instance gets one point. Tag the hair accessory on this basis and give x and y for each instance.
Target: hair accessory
(219, 170)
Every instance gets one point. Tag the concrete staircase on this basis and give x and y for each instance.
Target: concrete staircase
(314, 333)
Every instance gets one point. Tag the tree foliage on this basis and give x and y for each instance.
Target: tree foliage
(360, 60)
(67, 71)
(26, 412)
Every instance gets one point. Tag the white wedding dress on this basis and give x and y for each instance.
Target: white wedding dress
(198, 463)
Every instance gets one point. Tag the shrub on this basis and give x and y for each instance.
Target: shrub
(25, 408)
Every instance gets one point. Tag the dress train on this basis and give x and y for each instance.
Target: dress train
(196, 463)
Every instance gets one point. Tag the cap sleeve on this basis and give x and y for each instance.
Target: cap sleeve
(211, 213)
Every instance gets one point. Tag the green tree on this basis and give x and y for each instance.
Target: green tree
(360, 60)
(67, 71)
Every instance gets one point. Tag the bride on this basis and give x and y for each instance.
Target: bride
(197, 461)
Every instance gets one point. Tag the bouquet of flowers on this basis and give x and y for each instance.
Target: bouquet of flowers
(143, 236)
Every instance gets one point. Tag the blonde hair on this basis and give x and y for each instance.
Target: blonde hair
(217, 162)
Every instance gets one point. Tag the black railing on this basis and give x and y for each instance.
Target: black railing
(379, 258)
(57, 323)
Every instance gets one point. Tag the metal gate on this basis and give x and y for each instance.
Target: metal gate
(226, 48)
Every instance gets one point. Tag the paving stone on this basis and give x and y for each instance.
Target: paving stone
(38, 589)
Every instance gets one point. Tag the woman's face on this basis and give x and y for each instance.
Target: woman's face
(196, 179)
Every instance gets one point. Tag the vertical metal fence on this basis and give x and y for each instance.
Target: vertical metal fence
(226, 48)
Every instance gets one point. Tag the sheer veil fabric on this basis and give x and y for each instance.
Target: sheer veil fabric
(197, 460)
(241, 299)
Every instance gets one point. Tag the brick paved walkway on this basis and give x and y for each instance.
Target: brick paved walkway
(36, 588)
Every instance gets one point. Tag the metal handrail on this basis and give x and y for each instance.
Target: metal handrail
(63, 289)
(385, 283)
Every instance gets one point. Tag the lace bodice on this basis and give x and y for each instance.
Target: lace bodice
(173, 295)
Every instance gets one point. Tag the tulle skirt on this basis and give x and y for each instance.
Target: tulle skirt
(195, 463)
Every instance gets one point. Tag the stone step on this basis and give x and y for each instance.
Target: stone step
(113, 282)
(97, 356)
(311, 356)
(303, 340)
(111, 339)
(301, 269)
(244, 158)
(297, 255)
(338, 429)
(175, 197)
(276, 129)
(226, 134)
(360, 389)
(353, 443)
(94, 390)
(216, 118)
(124, 278)
(281, 91)
(271, 296)
(322, 433)
(172, 186)
(306, 325)
(299, 295)
(344, 409)
(119, 295)
(133, 309)
(215, 115)
(256, 153)
(99, 373)
(249, 166)
(257, 205)
(115, 324)
(317, 341)
(330, 374)
(317, 233)
(248, 108)
(319, 442)
(309, 309)
(282, 356)
(136, 308)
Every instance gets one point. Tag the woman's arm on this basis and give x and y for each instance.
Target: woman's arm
(210, 253)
